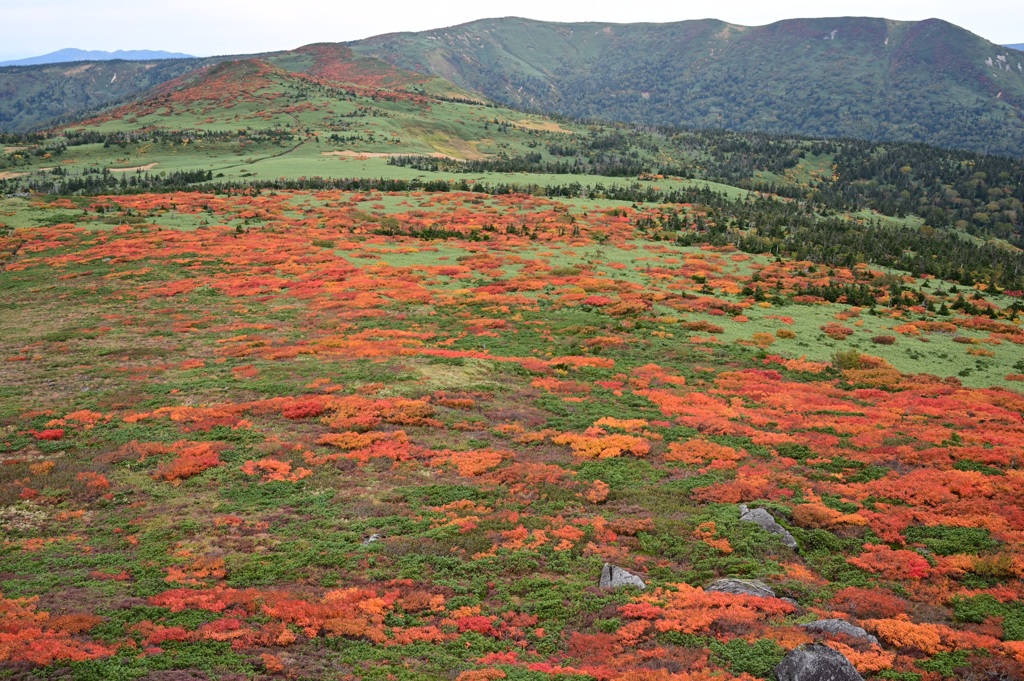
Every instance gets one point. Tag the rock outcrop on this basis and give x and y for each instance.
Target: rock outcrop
(816, 662)
(614, 577)
(767, 522)
(838, 626)
(747, 587)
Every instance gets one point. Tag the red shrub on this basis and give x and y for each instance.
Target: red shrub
(49, 434)
(869, 603)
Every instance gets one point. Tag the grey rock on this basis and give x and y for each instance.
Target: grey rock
(743, 587)
(766, 521)
(816, 662)
(838, 626)
(614, 577)
(372, 538)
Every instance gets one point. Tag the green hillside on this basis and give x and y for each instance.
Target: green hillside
(875, 79)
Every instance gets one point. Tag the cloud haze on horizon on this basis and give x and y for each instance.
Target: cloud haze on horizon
(204, 28)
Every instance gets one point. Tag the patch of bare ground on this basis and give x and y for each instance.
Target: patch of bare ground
(149, 166)
(78, 69)
(543, 126)
(348, 153)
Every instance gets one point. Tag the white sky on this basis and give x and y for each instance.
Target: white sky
(207, 27)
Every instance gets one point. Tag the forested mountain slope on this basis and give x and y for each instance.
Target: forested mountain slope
(32, 97)
(876, 79)
(864, 78)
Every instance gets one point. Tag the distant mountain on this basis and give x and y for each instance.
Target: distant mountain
(1016, 46)
(871, 79)
(876, 79)
(73, 54)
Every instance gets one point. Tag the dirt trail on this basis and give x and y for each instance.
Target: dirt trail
(348, 153)
(132, 170)
(545, 126)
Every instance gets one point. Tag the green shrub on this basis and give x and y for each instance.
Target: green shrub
(947, 541)
(439, 495)
(945, 663)
(847, 359)
(758, 659)
(968, 465)
(979, 608)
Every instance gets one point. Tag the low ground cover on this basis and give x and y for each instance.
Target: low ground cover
(397, 435)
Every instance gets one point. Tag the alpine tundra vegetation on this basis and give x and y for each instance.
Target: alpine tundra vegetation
(317, 367)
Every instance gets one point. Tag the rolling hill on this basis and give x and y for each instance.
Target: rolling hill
(927, 81)
(71, 54)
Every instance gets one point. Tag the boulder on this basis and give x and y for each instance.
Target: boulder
(766, 521)
(816, 662)
(838, 626)
(372, 538)
(614, 577)
(745, 587)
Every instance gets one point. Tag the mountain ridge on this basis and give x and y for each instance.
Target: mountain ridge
(865, 78)
(835, 77)
(73, 54)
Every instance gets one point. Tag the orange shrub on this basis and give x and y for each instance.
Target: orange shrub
(706, 532)
(273, 470)
(192, 459)
(702, 451)
(41, 468)
(474, 463)
(902, 633)
(894, 564)
(837, 331)
(598, 492)
(875, 602)
(603, 447)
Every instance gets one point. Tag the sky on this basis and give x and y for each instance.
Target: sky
(209, 27)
